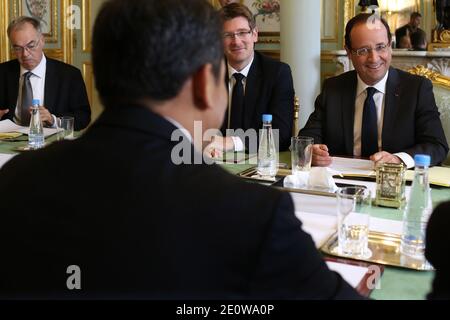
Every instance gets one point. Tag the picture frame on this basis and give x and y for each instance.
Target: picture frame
(267, 15)
(44, 10)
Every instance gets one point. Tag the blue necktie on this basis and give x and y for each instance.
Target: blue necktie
(369, 128)
(237, 102)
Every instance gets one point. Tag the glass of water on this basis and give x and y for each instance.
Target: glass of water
(353, 211)
(301, 154)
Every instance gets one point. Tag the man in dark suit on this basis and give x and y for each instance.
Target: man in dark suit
(376, 111)
(59, 86)
(437, 250)
(409, 29)
(134, 221)
(265, 85)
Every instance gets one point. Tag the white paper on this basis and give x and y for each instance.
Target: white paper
(386, 225)
(9, 126)
(352, 274)
(4, 158)
(314, 204)
(320, 227)
(349, 166)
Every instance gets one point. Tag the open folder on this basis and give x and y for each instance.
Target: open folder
(348, 167)
(7, 126)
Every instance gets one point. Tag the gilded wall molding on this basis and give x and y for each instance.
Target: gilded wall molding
(334, 38)
(433, 76)
(4, 41)
(86, 32)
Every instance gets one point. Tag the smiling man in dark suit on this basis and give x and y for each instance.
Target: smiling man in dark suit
(265, 84)
(59, 86)
(136, 222)
(375, 111)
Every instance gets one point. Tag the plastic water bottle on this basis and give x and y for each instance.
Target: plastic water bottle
(36, 134)
(267, 153)
(418, 210)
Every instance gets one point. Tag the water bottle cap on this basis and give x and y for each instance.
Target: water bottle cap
(422, 159)
(267, 118)
(35, 102)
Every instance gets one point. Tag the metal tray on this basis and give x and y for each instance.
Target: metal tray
(251, 174)
(385, 249)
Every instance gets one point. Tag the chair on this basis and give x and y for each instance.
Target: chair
(441, 89)
(295, 127)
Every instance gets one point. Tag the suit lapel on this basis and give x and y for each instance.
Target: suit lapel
(391, 100)
(225, 119)
(252, 87)
(348, 110)
(51, 86)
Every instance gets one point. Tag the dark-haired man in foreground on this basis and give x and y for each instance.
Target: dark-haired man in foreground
(132, 221)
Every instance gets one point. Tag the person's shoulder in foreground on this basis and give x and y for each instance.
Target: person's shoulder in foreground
(131, 220)
(437, 250)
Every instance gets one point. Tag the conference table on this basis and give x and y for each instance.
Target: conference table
(396, 283)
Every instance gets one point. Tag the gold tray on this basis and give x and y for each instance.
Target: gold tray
(385, 249)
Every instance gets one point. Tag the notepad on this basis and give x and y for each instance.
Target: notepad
(439, 176)
(7, 126)
(353, 167)
(4, 158)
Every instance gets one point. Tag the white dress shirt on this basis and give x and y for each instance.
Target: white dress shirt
(37, 80)
(238, 143)
(379, 99)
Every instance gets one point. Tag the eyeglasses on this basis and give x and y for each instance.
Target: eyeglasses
(29, 47)
(240, 34)
(379, 48)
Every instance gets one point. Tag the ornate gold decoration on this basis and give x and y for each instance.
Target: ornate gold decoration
(434, 76)
(390, 185)
(444, 36)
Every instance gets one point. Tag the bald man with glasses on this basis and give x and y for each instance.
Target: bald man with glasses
(58, 86)
(375, 111)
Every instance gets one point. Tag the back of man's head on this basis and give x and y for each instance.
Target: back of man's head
(147, 49)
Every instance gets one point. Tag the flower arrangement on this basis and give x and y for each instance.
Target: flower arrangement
(268, 9)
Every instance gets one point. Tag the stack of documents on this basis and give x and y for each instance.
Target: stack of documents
(9, 127)
(348, 167)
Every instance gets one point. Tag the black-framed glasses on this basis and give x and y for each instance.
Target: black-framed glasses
(379, 48)
(242, 34)
(31, 46)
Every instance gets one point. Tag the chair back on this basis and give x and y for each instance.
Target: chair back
(441, 90)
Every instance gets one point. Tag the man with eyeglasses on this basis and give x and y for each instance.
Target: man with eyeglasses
(256, 84)
(58, 86)
(375, 111)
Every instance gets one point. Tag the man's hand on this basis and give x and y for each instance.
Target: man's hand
(320, 156)
(384, 157)
(3, 112)
(218, 146)
(46, 116)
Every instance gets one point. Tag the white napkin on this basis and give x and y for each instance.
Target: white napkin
(322, 177)
(317, 177)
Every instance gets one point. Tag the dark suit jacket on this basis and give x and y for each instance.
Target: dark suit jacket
(64, 92)
(437, 250)
(411, 121)
(269, 89)
(140, 226)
